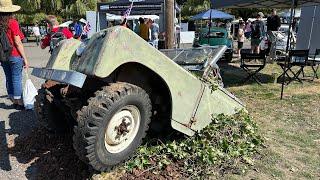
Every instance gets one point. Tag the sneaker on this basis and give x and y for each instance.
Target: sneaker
(18, 107)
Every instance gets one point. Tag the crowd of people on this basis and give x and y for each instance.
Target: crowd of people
(257, 30)
(146, 28)
(13, 58)
(76, 28)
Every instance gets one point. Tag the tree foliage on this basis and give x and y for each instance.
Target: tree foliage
(193, 7)
(34, 10)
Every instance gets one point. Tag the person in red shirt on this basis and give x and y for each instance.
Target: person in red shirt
(14, 65)
(53, 25)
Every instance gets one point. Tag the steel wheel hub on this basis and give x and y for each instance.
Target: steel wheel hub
(122, 129)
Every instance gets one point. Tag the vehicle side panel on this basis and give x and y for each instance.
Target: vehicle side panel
(121, 46)
(62, 56)
(214, 103)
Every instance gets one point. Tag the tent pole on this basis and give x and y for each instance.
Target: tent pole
(210, 24)
(287, 48)
(312, 26)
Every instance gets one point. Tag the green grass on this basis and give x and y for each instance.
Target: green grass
(291, 126)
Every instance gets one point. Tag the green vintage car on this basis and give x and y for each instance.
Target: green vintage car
(110, 90)
(217, 36)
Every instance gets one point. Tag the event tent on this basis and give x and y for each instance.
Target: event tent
(214, 14)
(267, 4)
(145, 7)
(287, 13)
(140, 7)
(113, 17)
(262, 4)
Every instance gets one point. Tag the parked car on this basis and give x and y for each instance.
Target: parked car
(282, 38)
(285, 29)
(216, 37)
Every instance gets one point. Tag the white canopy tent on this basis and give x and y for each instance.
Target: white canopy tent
(308, 36)
(113, 17)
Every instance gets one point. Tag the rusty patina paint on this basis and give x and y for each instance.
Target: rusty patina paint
(63, 55)
(111, 48)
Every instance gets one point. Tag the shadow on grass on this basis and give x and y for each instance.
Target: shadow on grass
(50, 156)
(233, 75)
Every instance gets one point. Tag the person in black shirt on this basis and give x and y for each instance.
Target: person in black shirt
(258, 33)
(273, 24)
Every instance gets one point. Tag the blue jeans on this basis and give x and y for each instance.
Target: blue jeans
(13, 71)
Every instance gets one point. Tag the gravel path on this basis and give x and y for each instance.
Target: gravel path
(26, 150)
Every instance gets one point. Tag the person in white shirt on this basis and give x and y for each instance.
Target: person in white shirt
(36, 32)
(154, 30)
(240, 38)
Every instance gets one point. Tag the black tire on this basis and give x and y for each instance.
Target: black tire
(89, 134)
(51, 116)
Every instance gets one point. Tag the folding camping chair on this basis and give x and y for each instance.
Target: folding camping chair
(297, 58)
(314, 62)
(253, 64)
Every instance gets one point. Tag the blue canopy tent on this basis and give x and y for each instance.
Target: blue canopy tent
(267, 4)
(215, 14)
(212, 14)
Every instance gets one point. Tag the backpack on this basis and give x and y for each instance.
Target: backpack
(56, 38)
(77, 30)
(256, 31)
(5, 47)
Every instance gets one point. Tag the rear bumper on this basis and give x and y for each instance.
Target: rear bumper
(67, 77)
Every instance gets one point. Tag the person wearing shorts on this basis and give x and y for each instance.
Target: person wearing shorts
(241, 38)
(257, 33)
(255, 42)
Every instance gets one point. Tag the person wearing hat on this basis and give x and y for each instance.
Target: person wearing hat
(258, 31)
(54, 28)
(14, 65)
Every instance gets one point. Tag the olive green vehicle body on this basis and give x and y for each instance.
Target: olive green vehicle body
(193, 101)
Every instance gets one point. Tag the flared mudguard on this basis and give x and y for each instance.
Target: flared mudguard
(193, 102)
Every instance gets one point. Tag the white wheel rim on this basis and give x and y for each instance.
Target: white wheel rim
(122, 129)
